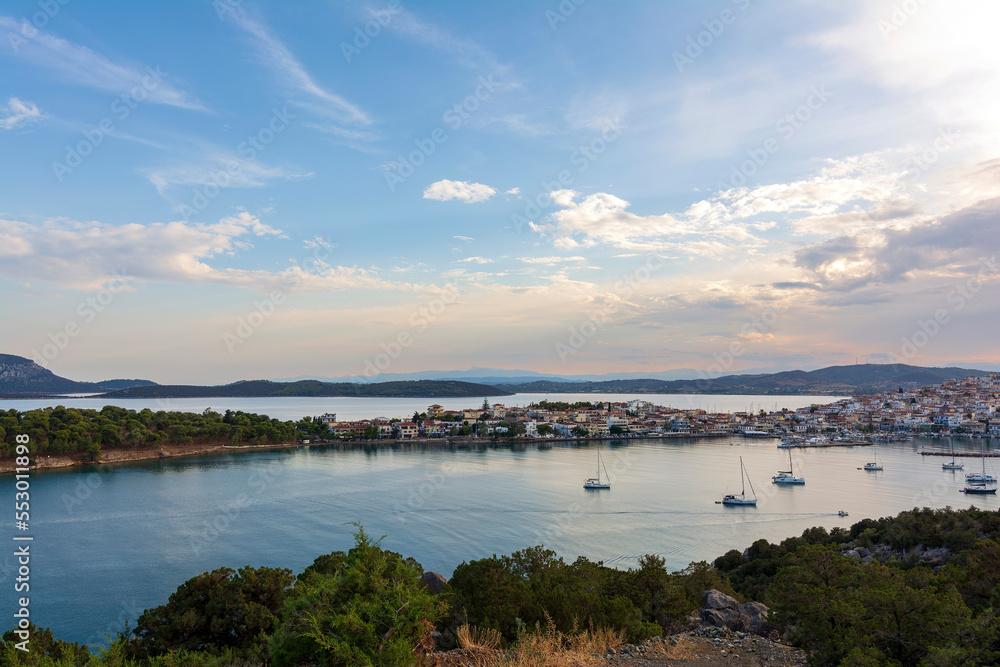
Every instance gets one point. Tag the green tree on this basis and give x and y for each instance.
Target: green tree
(215, 610)
(364, 608)
(44, 649)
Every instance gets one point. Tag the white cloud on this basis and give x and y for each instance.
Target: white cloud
(84, 67)
(513, 191)
(468, 192)
(467, 239)
(551, 261)
(476, 260)
(86, 255)
(18, 113)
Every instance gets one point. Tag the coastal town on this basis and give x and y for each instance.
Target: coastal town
(968, 407)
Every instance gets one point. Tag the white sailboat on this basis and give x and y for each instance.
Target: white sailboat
(788, 476)
(596, 482)
(730, 499)
(877, 463)
(981, 478)
(952, 465)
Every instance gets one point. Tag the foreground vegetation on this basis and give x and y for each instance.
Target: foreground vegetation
(368, 606)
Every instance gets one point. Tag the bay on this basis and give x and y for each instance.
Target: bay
(111, 541)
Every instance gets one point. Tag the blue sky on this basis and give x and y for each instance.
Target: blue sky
(206, 192)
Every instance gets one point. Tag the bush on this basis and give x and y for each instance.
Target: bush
(364, 608)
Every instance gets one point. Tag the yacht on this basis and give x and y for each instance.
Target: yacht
(731, 499)
(788, 476)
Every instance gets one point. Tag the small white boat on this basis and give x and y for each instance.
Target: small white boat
(788, 476)
(596, 482)
(952, 465)
(789, 441)
(841, 513)
(877, 463)
(731, 499)
(981, 477)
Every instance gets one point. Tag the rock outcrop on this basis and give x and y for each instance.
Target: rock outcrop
(721, 610)
(433, 581)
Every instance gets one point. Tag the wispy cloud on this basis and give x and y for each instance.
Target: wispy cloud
(84, 67)
(551, 261)
(465, 191)
(466, 52)
(218, 166)
(18, 114)
(276, 56)
(476, 260)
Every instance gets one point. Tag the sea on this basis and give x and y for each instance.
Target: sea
(111, 541)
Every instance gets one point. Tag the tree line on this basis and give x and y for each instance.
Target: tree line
(62, 430)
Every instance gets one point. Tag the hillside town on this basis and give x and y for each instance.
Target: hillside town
(967, 407)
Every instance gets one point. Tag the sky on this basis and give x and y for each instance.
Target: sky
(204, 192)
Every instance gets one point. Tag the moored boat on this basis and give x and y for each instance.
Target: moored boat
(732, 499)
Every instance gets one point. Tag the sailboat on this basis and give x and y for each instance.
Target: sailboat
(981, 478)
(596, 482)
(787, 476)
(952, 465)
(730, 499)
(876, 464)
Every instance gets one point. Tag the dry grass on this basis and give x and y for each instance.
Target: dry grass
(470, 637)
(552, 648)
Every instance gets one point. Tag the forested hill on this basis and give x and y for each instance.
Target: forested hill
(265, 388)
(19, 375)
(834, 380)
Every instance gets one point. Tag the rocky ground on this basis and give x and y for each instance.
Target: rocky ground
(725, 632)
(704, 647)
(707, 647)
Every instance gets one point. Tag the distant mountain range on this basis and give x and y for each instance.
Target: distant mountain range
(268, 389)
(21, 377)
(834, 380)
(501, 376)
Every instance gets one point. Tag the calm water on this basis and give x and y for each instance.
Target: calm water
(112, 541)
(360, 408)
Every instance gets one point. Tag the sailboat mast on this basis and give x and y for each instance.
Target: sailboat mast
(743, 479)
